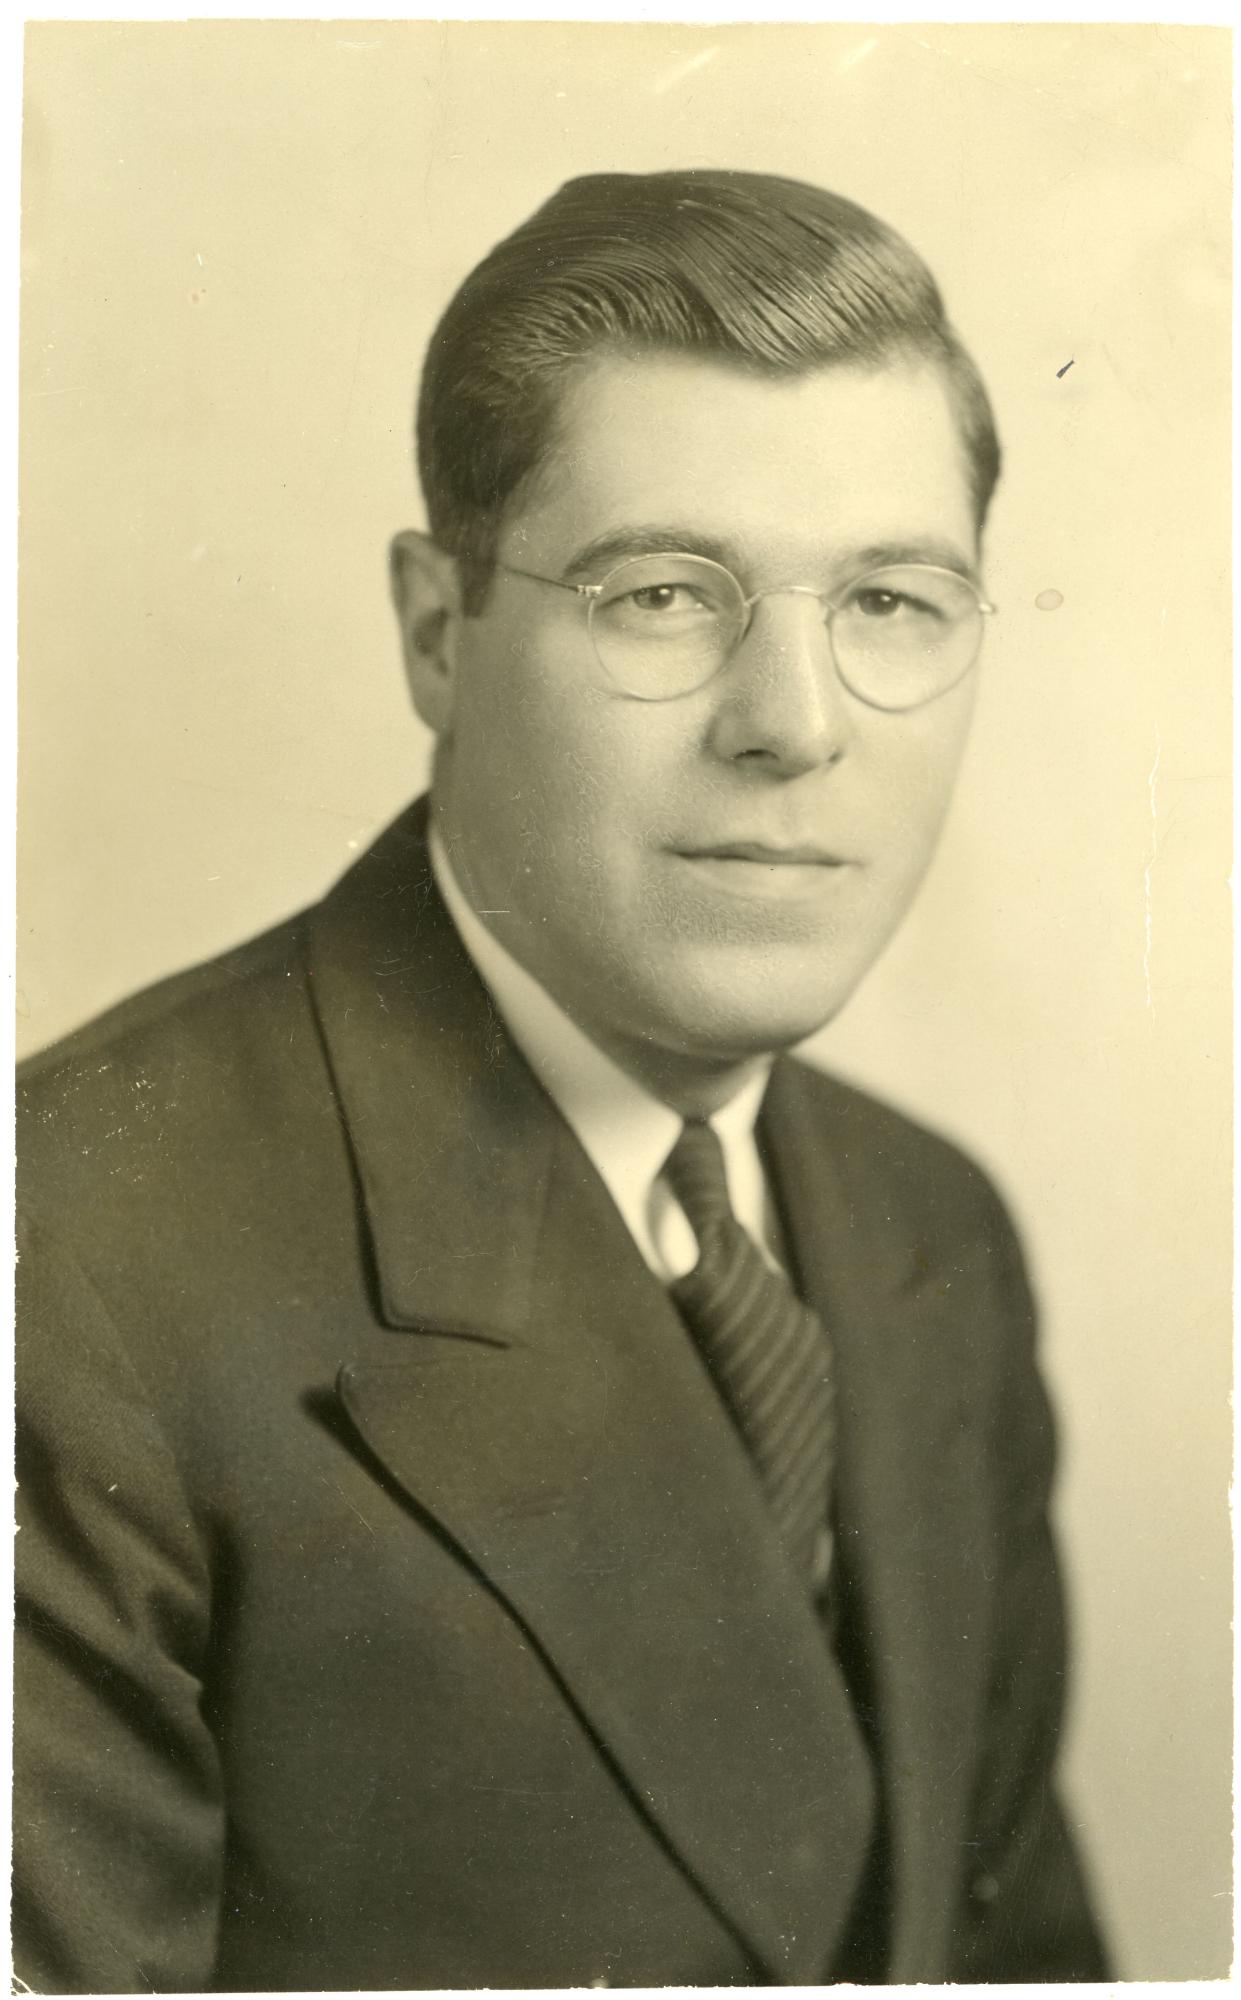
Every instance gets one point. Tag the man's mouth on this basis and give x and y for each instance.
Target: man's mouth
(763, 872)
(764, 854)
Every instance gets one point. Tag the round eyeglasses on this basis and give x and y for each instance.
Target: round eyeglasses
(665, 625)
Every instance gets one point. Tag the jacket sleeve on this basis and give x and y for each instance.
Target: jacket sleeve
(118, 1814)
(1025, 1911)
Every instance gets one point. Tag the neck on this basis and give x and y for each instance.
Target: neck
(683, 1083)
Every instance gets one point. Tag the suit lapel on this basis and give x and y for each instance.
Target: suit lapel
(571, 1445)
(451, 1136)
(908, 1484)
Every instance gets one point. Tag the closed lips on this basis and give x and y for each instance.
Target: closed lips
(773, 857)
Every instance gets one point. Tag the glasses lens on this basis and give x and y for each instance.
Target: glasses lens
(663, 625)
(902, 636)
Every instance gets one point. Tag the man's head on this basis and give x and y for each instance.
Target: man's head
(759, 372)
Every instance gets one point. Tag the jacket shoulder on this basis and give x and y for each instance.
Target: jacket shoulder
(173, 1059)
(887, 1158)
(140, 1021)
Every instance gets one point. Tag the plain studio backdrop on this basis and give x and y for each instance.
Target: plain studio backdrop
(237, 239)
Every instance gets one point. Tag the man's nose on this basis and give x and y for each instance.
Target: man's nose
(780, 700)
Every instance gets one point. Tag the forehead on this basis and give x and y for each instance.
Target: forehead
(771, 470)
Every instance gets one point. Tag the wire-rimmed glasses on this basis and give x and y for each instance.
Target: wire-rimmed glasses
(664, 625)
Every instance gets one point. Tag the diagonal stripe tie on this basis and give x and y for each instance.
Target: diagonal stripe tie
(768, 1353)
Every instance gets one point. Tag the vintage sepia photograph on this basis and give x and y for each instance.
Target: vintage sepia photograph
(623, 1342)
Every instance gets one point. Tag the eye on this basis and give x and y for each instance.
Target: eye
(874, 602)
(920, 597)
(665, 597)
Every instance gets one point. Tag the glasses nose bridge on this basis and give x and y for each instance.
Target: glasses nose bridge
(821, 597)
(787, 590)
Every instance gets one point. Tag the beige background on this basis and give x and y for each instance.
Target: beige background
(237, 237)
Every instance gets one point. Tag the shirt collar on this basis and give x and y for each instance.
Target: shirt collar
(626, 1133)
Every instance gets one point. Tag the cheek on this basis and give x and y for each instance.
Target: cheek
(599, 762)
(504, 733)
(553, 762)
(924, 769)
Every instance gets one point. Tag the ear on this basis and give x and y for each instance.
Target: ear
(426, 592)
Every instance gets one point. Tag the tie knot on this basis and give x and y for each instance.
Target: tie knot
(695, 1172)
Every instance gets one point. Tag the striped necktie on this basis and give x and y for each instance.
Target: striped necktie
(768, 1353)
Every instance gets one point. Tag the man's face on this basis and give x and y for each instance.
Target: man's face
(704, 879)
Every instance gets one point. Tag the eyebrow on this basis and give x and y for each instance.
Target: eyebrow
(669, 538)
(936, 551)
(646, 539)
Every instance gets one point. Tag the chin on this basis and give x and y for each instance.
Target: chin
(734, 1019)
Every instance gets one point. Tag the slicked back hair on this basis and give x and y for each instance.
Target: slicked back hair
(770, 275)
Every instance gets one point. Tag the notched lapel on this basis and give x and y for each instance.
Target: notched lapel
(911, 1486)
(590, 1473)
(448, 1129)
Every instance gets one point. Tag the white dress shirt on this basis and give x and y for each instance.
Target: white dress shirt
(626, 1133)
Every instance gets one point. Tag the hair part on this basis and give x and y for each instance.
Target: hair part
(770, 275)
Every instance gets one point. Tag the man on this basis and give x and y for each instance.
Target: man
(523, 1482)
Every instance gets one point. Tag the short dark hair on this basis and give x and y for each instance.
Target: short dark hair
(771, 275)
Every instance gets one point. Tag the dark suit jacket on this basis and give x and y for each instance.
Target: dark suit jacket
(397, 1606)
